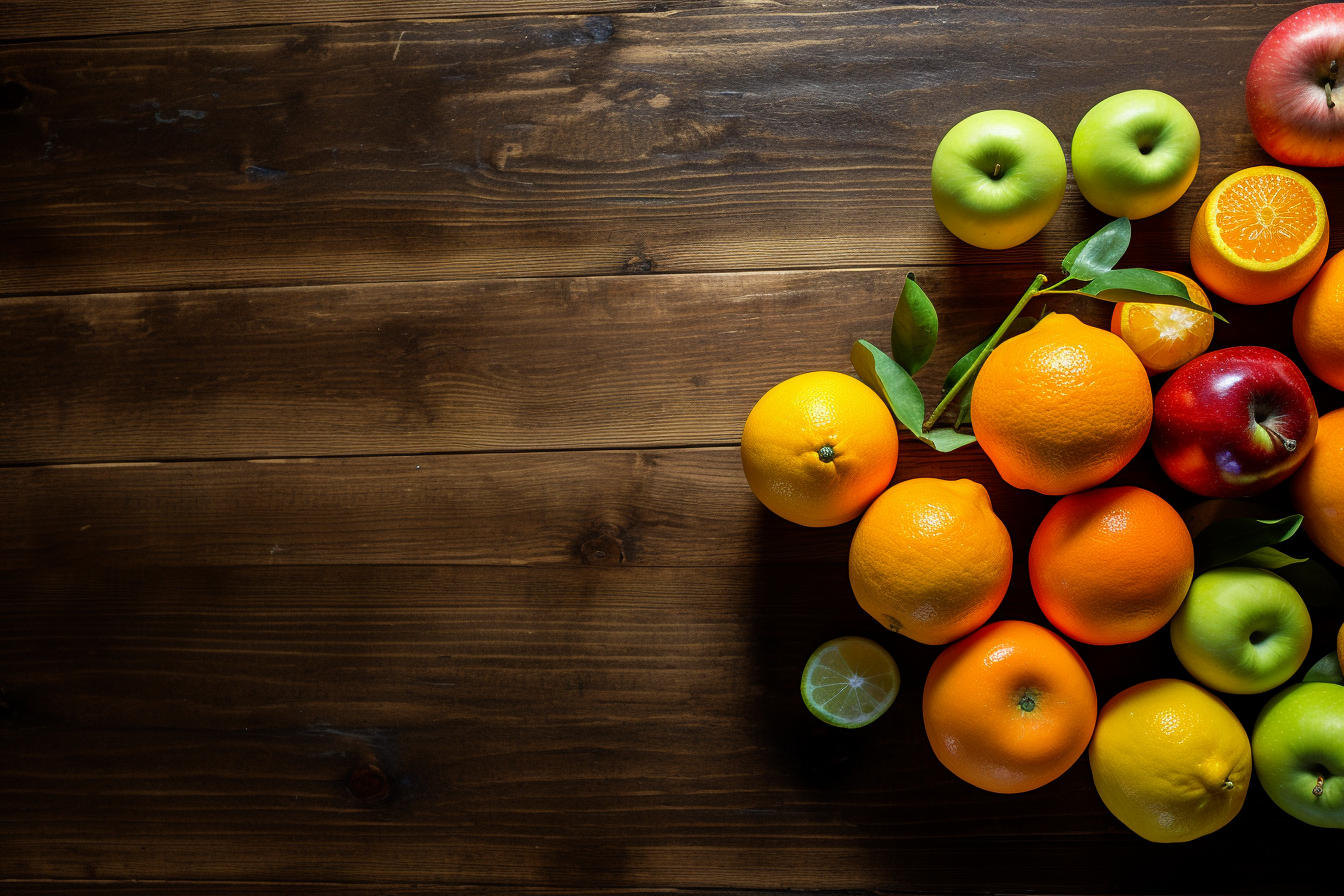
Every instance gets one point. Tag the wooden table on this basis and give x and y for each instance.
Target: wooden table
(371, 515)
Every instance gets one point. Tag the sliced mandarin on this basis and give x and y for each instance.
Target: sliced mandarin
(1260, 236)
(1165, 336)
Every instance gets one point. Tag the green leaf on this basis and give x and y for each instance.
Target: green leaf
(1227, 541)
(964, 405)
(1098, 253)
(1326, 669)
(888, 379)
(914, 327)
(1143, 285)
(1316, 584)
(1268, 558)
(945, 438)
(960, 368)
(957, 372)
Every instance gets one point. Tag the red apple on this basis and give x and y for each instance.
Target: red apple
(1296, 112)
(1234, 422)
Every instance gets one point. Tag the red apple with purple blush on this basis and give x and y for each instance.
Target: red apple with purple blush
(1295, 88)
(1234, 422)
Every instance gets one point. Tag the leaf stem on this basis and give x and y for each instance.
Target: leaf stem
(989, 347)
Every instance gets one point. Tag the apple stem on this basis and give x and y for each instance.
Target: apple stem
(1329, 84)
(989, 347)
(1319, 788)
(1289, 445)
(998, 171)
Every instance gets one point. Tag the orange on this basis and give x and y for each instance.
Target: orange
(1061, 407)
(1260, 235)
(1165, 336)
(1318, 323)
(1010, 708)
(1318, 487)
(1111, 565)
(930, 559)
(818, 448)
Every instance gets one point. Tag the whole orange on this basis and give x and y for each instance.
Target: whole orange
(818, 448)
(1260, 235)
(1318, 487)
(1111, 565)
(1009, 708)
(1318, 322)
(930, 559)
(1061, 407)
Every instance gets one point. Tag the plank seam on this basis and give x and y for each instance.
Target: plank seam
(268, 458)
(327, 284)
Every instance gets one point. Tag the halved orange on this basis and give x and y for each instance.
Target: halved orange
(1260, 236)
(1165, 336)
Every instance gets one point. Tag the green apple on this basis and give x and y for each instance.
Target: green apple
(998, 178)
(1297, 749)
(1241, 630)
(1135, 153)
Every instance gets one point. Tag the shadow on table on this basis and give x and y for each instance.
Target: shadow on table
(923, 828)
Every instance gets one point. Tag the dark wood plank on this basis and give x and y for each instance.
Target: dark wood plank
(33, 19)
(447, 367)
(709, 139)
(469, 366)
(577, 727)
(644, 508)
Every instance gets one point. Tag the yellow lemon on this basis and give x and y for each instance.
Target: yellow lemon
(1170, 760)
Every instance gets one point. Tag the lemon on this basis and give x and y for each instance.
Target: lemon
(1170, 760)
(849, 682)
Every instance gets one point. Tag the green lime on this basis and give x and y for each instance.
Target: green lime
(848, 682)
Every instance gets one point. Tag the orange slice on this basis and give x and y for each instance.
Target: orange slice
(1260, 236)
(1165, 336)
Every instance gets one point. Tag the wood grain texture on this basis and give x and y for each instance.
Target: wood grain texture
(449, 367)
(471, 366)
(797, 136)
(586, 727)
(33, 19)
(688, 507)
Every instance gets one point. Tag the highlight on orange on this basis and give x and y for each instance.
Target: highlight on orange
(1010, 707)
(1111, 565)
(1260, 236)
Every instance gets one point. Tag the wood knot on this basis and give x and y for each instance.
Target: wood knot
(598, 29)
(12, 96)
(639, 264)
(368, 783)
(603, 549)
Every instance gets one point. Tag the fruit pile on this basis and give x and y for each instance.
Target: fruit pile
(1059, 409)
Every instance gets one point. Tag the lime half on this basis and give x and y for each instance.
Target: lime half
(848, 682)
